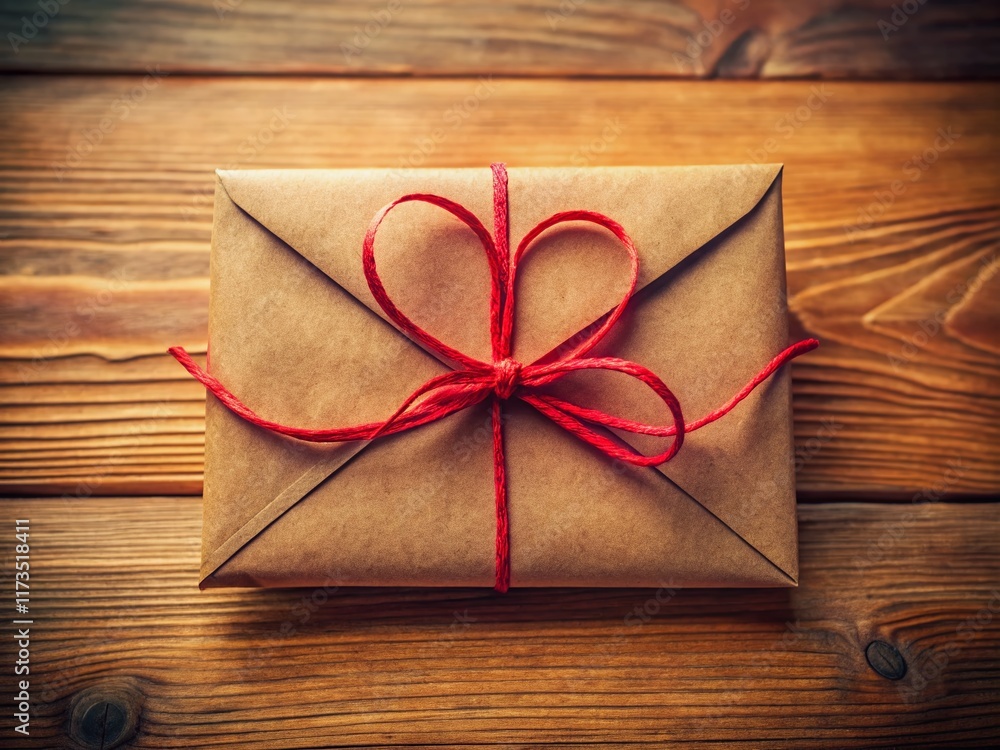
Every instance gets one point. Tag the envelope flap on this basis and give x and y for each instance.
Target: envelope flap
(712, 324)
(297, 349)
(430, 263)
(669, 211)
(575, 273)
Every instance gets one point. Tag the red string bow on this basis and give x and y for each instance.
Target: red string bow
(472, 381)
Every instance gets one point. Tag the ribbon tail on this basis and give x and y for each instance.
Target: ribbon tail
(237, 407)
(640, 428)
(454, 396)
(795, 350)
(500, 483)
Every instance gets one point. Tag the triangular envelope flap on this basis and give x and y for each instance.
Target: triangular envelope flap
(432, 265)
(733, 291)
(713, 323)
(296, 349)
(575, 273)
(579, 518)
(575, 521)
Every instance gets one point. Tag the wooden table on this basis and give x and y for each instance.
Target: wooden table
(887, 118)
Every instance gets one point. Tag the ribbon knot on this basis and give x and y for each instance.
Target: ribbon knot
(472, 381)
(507, 374)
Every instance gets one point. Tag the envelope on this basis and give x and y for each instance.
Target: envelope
(295, 333)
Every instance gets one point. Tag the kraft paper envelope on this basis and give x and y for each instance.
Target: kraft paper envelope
(296, 335)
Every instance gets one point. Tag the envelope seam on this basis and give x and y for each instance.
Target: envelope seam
(642, 287)
(737, 534)
(660, 471)
(288, 498)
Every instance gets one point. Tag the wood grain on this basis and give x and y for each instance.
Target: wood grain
(117, 614)
(104, 248)
(694, 38)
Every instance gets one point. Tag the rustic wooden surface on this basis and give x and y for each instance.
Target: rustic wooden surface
(113, 116)
(659, 38)
(105, 259)
(119, 618)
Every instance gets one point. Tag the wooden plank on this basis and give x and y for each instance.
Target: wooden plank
(118, 618)
(891, 232)
(682, 38)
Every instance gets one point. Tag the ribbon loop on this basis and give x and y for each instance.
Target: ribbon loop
(592, 217)
(475, 381)
(575, 419)
(394, 313)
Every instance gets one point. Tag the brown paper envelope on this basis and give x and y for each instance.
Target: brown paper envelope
(295, 333)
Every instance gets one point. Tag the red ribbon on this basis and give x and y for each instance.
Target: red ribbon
(472, 381)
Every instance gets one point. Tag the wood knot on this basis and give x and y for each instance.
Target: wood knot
(886, 660)
(105, 716)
